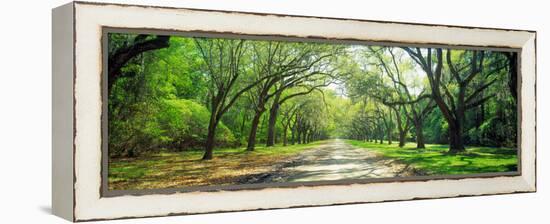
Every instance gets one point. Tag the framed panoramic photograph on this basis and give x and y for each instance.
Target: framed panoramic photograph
(163, 111)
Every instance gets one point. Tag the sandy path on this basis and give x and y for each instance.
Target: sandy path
(335, 160)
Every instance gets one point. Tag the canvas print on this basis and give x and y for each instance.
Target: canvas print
(196, 110)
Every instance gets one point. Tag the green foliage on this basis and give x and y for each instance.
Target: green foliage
(166, 97)
(171, 109)
(186, 125)
(436, 128)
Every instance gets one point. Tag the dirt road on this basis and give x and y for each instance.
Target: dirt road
(334, 160)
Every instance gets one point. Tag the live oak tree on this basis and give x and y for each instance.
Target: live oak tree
(304, 86)
(305, 116)
(323, 74)
(223, 65)
(186, 93)
(288, 116)
(128, 56)
(403, 122)
(279, 67)
(451, 87)
(418, 105)
(120, 54)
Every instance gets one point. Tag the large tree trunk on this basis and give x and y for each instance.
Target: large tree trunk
(210, 138)
(402, 135)
(389, 136)
(419, 135)
(389, 127)
(253, 131)
(285, 141)
(273, 112)
(455, 127)
(452, 112)
(292, 131)
(513, 72)
(271, 126)
(402, 130)
(456, 143)
(298, 137)
(381, 134)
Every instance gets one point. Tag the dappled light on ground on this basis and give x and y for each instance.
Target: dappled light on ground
(435, 160)
(319, 161)
(337, 160)
(175, 170)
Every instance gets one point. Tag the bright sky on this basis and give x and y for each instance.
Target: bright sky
(414, 78)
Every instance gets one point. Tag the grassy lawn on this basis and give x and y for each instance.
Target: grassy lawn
(434, 159)
(181, 169)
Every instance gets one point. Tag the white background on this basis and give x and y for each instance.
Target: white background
(25, 112)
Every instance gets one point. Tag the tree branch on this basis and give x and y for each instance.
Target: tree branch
(479, 102)
(121, 56)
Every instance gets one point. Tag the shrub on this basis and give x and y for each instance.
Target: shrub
(186, 125)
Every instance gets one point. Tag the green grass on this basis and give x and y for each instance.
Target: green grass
(176, 169)
(434, 159)
(180, 169)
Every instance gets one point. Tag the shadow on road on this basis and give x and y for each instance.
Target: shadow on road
(335, 160)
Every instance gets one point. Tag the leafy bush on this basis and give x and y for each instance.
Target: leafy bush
(495, 132)
(173, 124)
(186, 125)
(136, 133)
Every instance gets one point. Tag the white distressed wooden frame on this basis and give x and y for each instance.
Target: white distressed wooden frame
(77, 108)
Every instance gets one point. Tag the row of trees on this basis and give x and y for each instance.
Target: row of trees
(185, 93)
(471, 94)
(230, 78)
